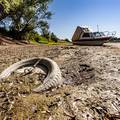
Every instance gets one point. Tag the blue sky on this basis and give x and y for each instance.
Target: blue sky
(68, 14)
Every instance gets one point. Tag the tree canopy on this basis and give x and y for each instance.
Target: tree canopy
(7, 6)
(22, 16)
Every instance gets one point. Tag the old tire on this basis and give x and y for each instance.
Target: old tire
(53, 79)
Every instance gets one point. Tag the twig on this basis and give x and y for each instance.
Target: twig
(28, 71)
(69, 115)
(36, 63)
(114, 104)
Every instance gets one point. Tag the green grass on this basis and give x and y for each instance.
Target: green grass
(34, 42)
(58, 43)
(51, 42)
(41, 41)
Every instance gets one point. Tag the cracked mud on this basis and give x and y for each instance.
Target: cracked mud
(91, 89)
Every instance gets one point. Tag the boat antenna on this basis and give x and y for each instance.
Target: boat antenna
(98, 28)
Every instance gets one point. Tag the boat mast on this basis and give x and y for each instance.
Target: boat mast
(98, 28)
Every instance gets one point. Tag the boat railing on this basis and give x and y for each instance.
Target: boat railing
(111, 34)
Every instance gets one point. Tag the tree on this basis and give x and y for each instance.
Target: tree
(45, 30)
(54, 37)
(7, 7)
(67, 40)
(28, 16)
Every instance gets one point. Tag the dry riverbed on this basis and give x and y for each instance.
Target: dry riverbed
(91, 89)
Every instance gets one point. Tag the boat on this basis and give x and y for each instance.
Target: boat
(83, 36)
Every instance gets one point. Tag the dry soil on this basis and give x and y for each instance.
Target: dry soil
(91, 89)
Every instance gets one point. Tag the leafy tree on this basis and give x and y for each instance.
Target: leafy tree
(54, 37)
(7, 7)
(45, 30)
(67, 40)
(28, 16)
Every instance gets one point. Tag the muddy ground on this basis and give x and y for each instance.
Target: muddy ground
(91, 89)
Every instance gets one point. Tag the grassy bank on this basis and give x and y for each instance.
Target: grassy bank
(50, 42)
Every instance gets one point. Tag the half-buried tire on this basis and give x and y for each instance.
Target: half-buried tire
(53, 79)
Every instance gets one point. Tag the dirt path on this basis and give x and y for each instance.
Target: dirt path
(91, 88)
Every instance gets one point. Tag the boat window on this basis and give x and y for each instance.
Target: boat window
(98, 34)
(102, 34)
(86, 35)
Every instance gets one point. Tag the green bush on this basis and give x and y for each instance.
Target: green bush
(67, 40)
(34, 36)
(54, 37)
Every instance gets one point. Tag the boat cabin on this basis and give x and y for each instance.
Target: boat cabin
(83, 36)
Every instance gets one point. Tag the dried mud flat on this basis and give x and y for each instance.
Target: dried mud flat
(91, 89)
